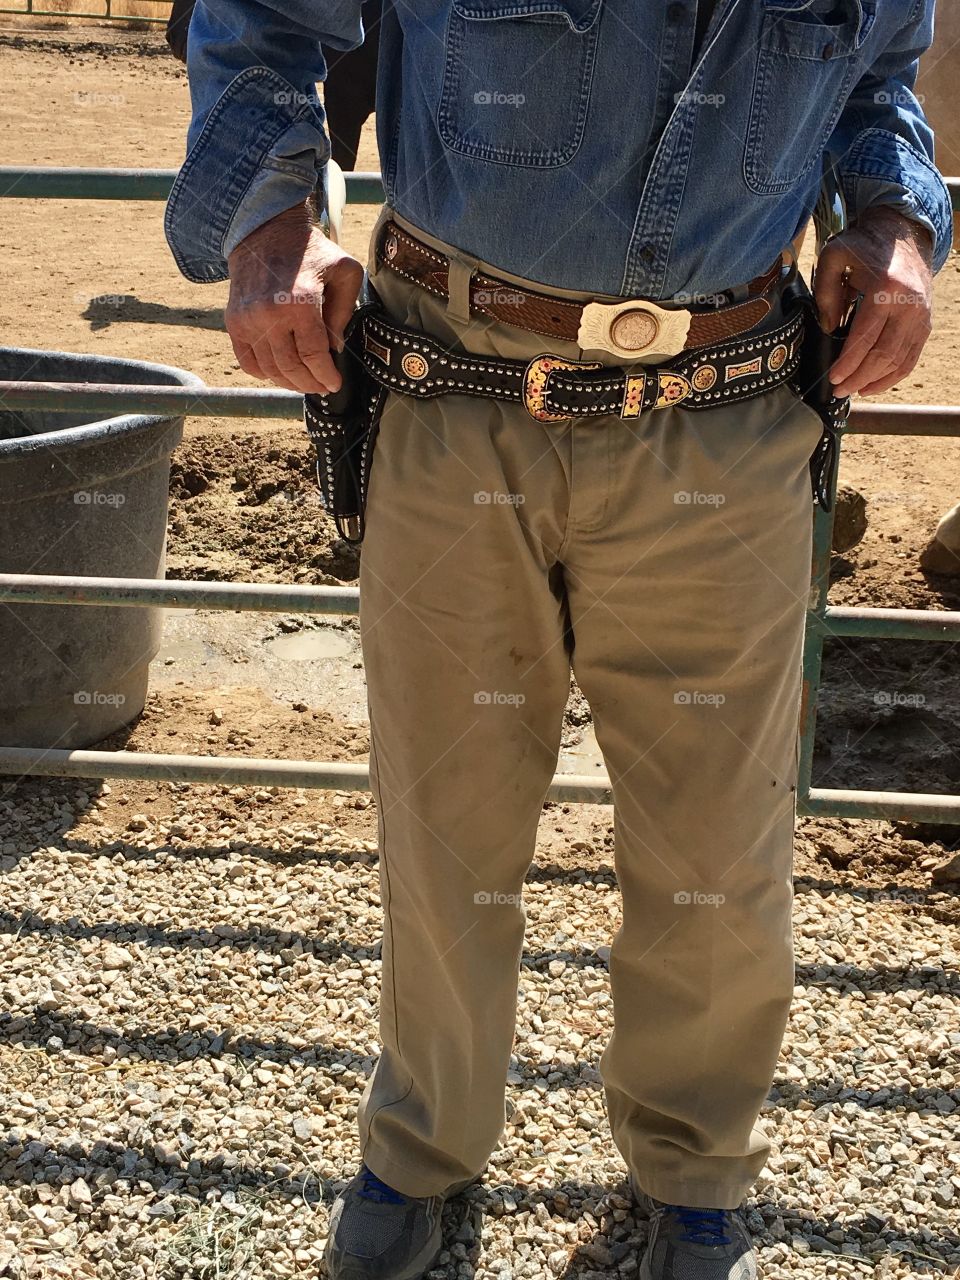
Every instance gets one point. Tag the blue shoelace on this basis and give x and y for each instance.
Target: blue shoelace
(701, 1226)
(373, 1189)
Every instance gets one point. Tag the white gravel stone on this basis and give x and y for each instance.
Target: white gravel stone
(188, 1020)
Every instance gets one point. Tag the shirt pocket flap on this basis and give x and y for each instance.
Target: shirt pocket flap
(823, 29)
(579, 15)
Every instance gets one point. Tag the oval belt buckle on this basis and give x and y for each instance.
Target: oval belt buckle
(634, 330)
(535, 385)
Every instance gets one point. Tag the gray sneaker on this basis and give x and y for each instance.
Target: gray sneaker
(378, 1234)
(697, 1244)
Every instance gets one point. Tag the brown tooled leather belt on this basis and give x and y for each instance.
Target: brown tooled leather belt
(629, 328)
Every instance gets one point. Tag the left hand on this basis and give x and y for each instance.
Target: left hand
(887, 258)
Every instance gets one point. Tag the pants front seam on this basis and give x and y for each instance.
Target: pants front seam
(388, 928)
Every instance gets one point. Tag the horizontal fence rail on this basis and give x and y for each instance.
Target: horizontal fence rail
(55, 182)
(255, 597)
(116, 398)
(888, 420)
(272, 402)
(216, 770)
(572, 788)
(106, 14)
(890, 806)
(888, 624)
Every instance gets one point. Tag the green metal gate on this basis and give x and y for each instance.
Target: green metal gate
(823, 620)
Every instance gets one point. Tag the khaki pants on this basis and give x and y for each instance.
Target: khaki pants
(669, 560)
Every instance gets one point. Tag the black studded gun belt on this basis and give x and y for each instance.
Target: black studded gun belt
(379, 357)
(552, 388)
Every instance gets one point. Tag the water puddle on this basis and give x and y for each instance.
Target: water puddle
(585, 757)
(309, 645)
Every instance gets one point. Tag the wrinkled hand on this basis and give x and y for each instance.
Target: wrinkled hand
(887, 258)
(291, 293)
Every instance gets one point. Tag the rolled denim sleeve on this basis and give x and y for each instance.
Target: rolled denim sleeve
(882, 149)
(256, 144)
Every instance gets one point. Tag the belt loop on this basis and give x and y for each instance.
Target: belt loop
(376, 241)
(739, 293)
(789, 258)
(460, 271)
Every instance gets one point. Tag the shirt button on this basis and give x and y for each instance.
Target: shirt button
(647, 253)
(827, 52)
(676, 12)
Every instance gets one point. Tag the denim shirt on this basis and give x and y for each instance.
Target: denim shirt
(584, 144)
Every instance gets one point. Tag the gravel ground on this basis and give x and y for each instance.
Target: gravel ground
(188, 995)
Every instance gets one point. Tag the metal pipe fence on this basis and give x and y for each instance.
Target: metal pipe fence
(106, 14)
(272, 402)
(59, 182)
(823, 620)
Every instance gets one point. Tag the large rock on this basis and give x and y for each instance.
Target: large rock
(849, 519)
(942, 552)
(947, 872)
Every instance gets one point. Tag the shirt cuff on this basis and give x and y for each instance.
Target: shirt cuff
(884, 168)
(262, 150)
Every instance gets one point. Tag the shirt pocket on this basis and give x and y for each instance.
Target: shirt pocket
(517, 79)
(809, 59)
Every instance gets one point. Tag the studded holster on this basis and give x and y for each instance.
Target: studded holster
(343, 427)
(818, 352)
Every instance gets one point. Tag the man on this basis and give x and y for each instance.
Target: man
(566, 472)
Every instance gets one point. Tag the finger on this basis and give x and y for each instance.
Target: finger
(866, 328)
(339, 299)
(906, 367)
(831, 289)
(883, 359)
(263, 349)
(291, 365)
(246, 358)
(313, 348)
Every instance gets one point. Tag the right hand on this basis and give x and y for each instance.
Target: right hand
(292, 291)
